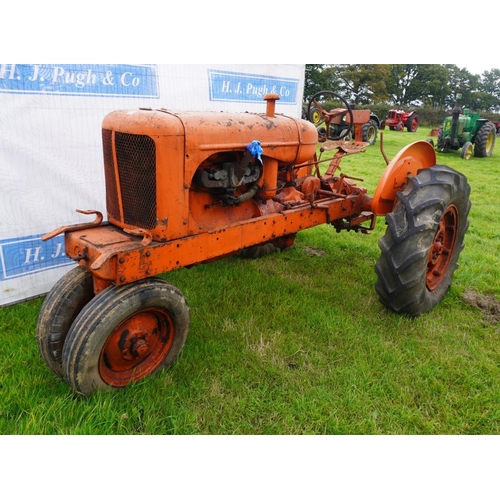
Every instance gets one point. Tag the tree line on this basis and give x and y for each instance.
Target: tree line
(406, 85)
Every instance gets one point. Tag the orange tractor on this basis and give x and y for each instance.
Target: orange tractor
(343, 121)
(187, 188)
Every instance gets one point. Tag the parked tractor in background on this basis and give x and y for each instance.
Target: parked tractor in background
(313, 114)
(467, 132)
(188, 188)
(398, 119)
(343, 121)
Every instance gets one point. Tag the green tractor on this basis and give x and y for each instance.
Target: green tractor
(467, 132)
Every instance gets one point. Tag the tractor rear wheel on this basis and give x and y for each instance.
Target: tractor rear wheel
(59, 309)
(484, 141)
(257, 251)
(369, 132)
(124, 334)
(424, 238)
(412, 123)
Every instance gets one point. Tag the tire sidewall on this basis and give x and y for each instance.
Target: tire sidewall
(103, 314)
(59, 310)
(412, 226)
(430, 298)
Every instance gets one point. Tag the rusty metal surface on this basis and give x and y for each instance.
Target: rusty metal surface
(408, 161)
(210, 198)
(117, 257)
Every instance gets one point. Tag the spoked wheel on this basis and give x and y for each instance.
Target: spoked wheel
(125, 334)
(59, 309)
(424, 238)
(340, 109)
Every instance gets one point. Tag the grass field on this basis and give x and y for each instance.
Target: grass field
(297, 342)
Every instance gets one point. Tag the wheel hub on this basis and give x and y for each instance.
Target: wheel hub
(136, 347)
(442, 248)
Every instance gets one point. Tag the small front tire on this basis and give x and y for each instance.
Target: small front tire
(467, 151)
(59, 309)
(124, 334)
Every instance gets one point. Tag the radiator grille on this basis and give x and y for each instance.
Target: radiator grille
(136, 159)
(109, 175)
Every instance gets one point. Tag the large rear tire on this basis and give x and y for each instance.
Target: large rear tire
(412, 123)
(125, 334)
(369, 132)
(424, 238)
(59, 309)
(484, 142)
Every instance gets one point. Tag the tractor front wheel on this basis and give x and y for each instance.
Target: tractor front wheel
(124, 334)
(467, 151)
(424, 238)
(315, 115)
(59, 309)
(484, 141)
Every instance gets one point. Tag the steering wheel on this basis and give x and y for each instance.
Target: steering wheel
(328, 117)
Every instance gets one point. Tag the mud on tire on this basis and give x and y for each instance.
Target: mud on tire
(59, 309)
(424, 238)
(124, 334)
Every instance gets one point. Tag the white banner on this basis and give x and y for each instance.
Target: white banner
(50, 143)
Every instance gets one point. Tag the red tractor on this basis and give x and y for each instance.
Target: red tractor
(397, 119)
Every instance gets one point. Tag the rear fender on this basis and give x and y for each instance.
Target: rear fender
(408, 161)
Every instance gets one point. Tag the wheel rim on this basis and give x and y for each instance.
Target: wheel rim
(442, 248)
(371, 134)
(414, 125)
(489, 141)
(136, 347)
(468, 152)
(316, 116)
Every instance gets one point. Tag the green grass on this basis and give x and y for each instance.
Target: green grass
(297, 342)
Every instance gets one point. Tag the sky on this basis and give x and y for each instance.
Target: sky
(225, 31)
